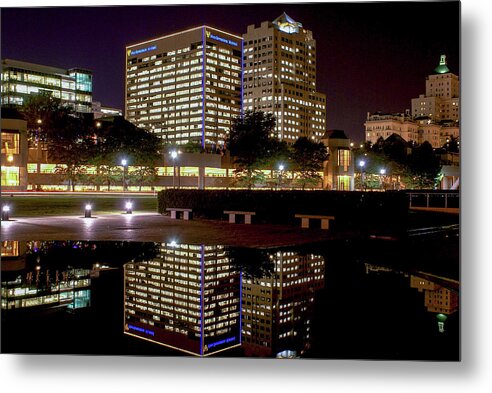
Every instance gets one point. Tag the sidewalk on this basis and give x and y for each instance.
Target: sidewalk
(154, 227)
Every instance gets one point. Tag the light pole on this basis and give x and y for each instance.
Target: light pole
(174, 156)
(38, 150)
(362, 163)
(280, 170)
(382, 172)
(124, 162)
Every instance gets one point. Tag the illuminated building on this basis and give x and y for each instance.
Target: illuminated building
(186, 86)
(26, 285)
(188, 299)
(277, 309)
(14, 151)
(438, 298)
(442, 95)
(280, 78)
(100, 111)
(339, 168)
(383, 125)
(21, 79)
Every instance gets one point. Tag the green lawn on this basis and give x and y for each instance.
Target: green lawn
(63, 205)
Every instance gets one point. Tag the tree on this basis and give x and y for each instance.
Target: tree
(66, 135)
(308, 158)
(250, 142)
(424, 166)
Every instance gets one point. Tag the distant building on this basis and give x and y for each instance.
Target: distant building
(339, 169)
(14, 155)
(186, 86)
(21, 79)
(434, 117)
(442, 95)
(101, 111)
(382, 125)
(280, 78)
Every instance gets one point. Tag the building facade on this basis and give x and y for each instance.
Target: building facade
(185, 87)
(280, 78)
(101, 111)
(14, 155)
(442, 95)
(382, 125)
(21, 79)
(339, 168)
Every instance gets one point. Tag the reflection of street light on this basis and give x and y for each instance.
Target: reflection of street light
(281, 167)
(362, 163)
(124, 162)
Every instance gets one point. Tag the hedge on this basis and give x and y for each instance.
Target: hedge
(352, 210)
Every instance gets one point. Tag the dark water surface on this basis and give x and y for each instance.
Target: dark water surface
(374, 299)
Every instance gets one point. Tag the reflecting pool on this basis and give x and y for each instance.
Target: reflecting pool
(371, 299)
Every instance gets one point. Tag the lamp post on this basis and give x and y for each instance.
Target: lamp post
(362, 163)
(38, 150)
(280, 170)
(5, 213)
(174, 156)
(382, 172)
(129, 207)
(88, 210)
(124, 162)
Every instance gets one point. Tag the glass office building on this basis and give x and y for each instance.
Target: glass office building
(185, 87)
(21, 79)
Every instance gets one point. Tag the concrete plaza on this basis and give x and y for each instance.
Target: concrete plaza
(154, 227)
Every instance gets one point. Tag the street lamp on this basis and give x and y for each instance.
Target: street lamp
(362, 163)
(382, 172)
(281, 167)
(5, 213)
(88, 210)
(124, 162)
(38, 148)
(174, 156)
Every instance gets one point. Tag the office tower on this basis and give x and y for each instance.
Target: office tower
(21, 79)
(280, 78)
(187, 298)
(186, 86)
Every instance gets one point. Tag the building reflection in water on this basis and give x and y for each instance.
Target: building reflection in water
(186, 298)
(278, 308)
(440, 296)
(32, 284)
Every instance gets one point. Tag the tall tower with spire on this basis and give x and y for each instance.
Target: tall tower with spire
(279, 77)
(442, 96)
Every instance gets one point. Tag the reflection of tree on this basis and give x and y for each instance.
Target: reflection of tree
(254, 263)
(86, 253)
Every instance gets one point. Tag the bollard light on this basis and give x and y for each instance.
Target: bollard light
(88, 210)
(5, 213)
(128, 207)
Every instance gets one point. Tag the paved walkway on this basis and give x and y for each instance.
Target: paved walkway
(154, 227)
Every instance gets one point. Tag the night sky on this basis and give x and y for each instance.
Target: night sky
(371, 56)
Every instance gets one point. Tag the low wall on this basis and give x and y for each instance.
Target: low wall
(386, 211)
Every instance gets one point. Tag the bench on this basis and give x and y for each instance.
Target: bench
(232, 216)
(174, 210)
(325, 220)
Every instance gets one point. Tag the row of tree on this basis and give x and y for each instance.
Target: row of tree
(253, 143)
(416, 166)
(76, 142)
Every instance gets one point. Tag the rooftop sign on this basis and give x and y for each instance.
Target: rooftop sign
(142, 50)
(221, 39)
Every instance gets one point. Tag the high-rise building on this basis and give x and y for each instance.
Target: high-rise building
(21, 79)
(187, 298)
(186, 86)
(442, 95)
(280, 78)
